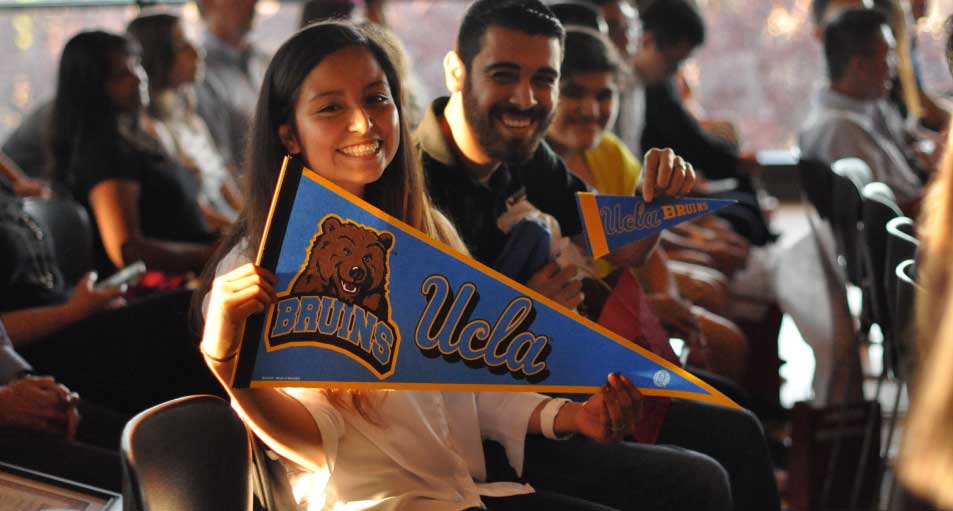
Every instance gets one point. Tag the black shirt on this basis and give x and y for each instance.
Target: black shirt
(668, 124)
(473, 207)
(168, 205)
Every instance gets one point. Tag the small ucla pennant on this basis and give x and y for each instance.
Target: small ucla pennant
(365, 301)
(612, 221)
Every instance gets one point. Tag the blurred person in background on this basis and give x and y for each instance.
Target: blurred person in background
(926, 455)
(172, 64)
(234, 68)
(846, 119)
(589, 85)
(144, 204)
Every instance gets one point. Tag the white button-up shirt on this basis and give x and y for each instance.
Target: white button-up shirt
(844, 127)
(426, 454)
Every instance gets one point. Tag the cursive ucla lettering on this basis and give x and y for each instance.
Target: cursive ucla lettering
(615, 222)
(445, 329)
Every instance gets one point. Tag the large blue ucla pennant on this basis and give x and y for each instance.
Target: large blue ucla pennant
(613, 221)
(364, 301)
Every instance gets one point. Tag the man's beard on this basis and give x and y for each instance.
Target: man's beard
(495, 144)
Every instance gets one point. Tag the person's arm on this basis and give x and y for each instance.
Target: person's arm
(606, 417)
(23, 185)
(277, 418)
(232, 194)
(668, 124)
(558, 284)
(115, 204)
(655, 276)
(935, 115)
(727, 258)
(28, 325)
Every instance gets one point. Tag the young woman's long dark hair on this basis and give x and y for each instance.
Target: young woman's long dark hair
(155, 32)
(84, 119)
(401, 189)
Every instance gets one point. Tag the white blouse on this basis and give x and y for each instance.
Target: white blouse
(427, 454)
(184, 136)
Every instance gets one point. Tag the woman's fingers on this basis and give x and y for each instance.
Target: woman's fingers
(635, 397)
(250, 307)
(616, 423)
(246, 270)
(626, 404)
(254, 292)
(244, 291)
(250, 281)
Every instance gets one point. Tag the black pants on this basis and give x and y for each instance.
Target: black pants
(542, 499)
(735, 439)
(581, 474)
(702, 444)
(129, 358)
(627, 476)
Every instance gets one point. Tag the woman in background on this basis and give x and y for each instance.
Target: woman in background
(172, 64)
(143, 203)
(587, 108)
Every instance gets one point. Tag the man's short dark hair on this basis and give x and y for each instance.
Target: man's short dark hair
(588, 51)
(852, 33)
(318, 10)
(819, 10)
(579, 13)
(673, 22)
(528, 16)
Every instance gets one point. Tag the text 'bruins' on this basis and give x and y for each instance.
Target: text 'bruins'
(327, 320)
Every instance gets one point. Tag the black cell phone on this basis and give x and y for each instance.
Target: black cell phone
(128, 275)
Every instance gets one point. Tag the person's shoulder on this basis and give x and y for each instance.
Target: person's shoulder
(824, 127)
(542, 172)
(32, 127)
(545, 159)
(612, 144)
(429, 139)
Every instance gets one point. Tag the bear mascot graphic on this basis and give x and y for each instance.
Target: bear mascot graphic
(349, 262)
